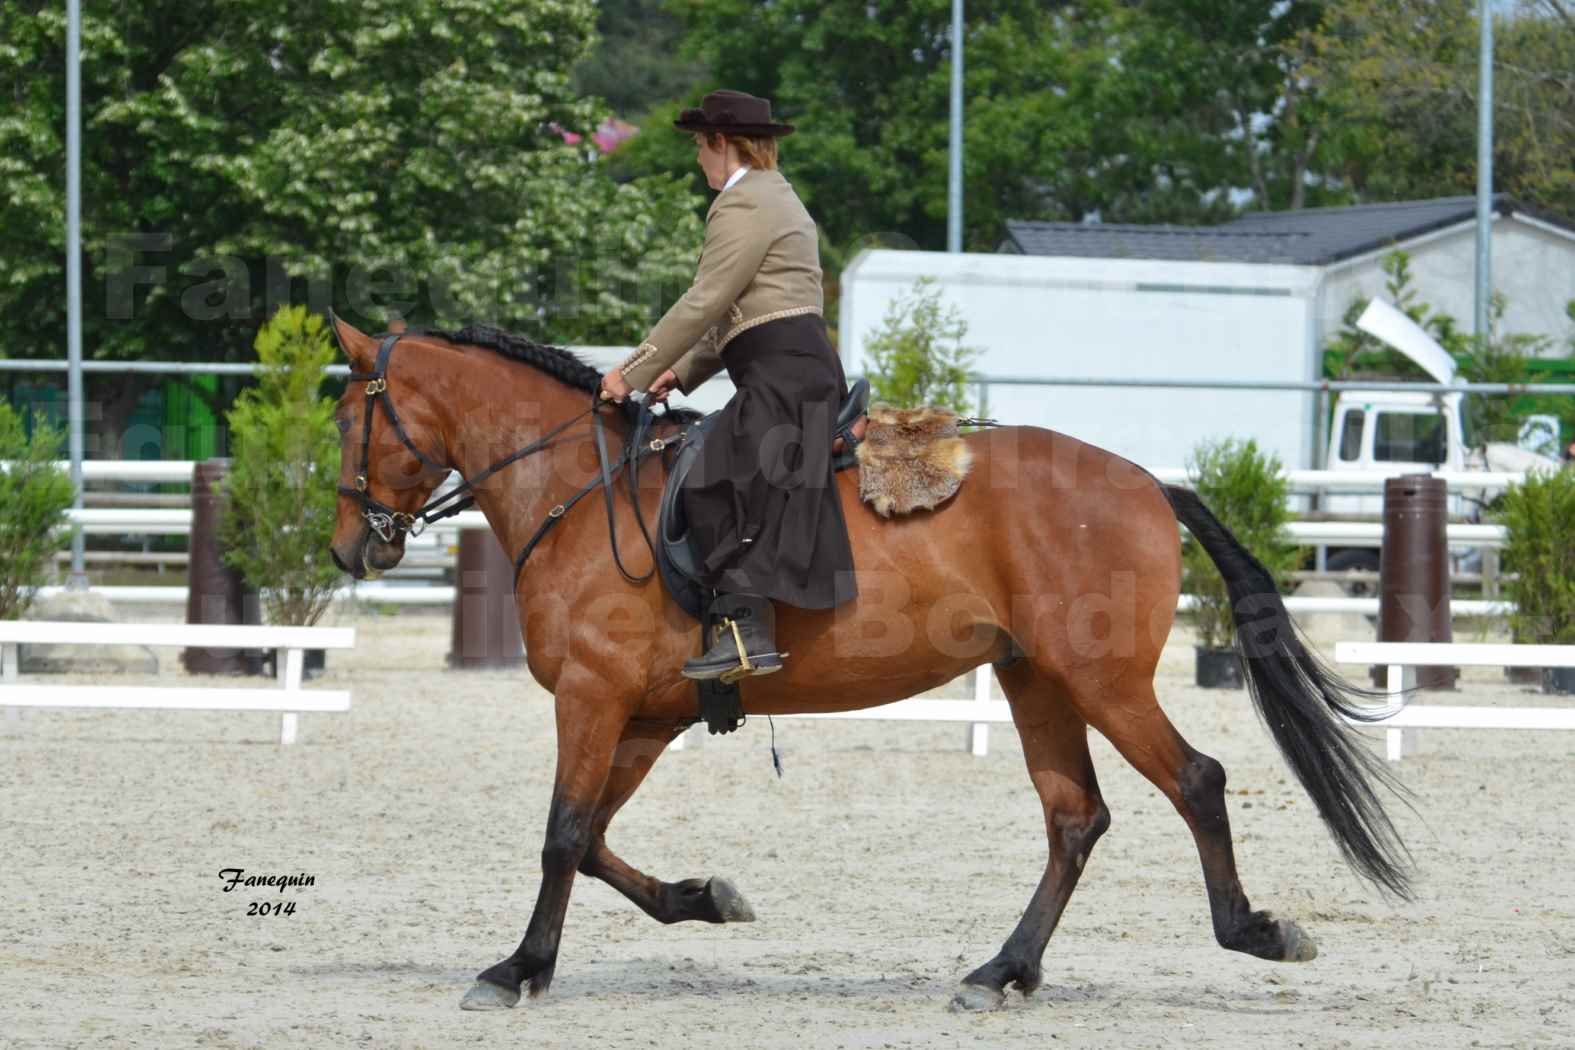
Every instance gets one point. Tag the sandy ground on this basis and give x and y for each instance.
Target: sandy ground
(885, 866)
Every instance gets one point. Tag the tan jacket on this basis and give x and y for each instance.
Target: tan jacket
(760, 262)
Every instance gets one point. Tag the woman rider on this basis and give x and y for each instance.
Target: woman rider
(761, 500)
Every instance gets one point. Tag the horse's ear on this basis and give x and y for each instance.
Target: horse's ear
(359, 347)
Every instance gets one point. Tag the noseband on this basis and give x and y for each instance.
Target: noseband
(389, 523)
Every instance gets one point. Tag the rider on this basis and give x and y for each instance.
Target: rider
(761, 500)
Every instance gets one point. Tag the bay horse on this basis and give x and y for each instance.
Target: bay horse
(1056, 561)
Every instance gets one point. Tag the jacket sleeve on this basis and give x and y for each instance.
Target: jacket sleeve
(699, 364)
(735, 245)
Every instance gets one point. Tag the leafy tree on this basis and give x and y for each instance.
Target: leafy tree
(917, 356)
(34, 496)
(1403, 76)
(1246, 490)
(280, 494)
(635, 63)
(388, 157)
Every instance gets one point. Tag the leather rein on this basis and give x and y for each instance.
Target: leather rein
(389, 523)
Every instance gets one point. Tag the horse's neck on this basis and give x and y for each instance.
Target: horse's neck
(507, 411)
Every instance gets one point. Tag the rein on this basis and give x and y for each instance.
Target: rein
(389, 523)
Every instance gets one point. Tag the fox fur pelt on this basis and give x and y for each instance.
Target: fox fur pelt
(910, 458)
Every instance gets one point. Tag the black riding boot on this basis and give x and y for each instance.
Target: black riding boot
(745, 644)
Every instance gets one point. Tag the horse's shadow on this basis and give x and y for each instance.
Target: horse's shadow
(669, 978)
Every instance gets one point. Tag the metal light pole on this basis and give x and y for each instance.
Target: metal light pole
(954, 199)
(1484, 296)
(78, 580)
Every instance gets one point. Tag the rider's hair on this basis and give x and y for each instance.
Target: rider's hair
(758, 151)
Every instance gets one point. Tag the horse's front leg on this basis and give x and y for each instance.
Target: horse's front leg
(589, 726)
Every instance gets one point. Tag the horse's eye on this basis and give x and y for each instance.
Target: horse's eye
(342, 424)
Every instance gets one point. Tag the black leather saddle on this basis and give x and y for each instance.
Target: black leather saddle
(675, 557)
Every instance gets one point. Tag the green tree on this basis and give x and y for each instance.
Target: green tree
(917, 356)
(1247, 491)
(34, 496)
(280, 495)
(1403, 76)
(635, 63)
(388, 157)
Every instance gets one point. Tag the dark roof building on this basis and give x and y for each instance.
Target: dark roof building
(1309, 237)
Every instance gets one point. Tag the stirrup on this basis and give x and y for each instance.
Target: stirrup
(719, 666)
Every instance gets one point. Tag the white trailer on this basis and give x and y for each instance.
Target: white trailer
(1053, 317)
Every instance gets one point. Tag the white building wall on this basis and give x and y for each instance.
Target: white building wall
(1533, 265)
(1129, 318)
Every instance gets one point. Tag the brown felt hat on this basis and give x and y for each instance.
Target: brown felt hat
(732, 113)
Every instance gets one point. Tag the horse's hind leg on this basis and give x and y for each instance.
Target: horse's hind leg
(705, 900)
(1055, 747)
(1195, 785)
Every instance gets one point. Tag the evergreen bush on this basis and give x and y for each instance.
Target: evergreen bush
(917, 357)
(34, 496)
(1539, 515)
(1246, 490)
(281, 490)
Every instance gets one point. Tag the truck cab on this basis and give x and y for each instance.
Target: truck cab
(1395, 432)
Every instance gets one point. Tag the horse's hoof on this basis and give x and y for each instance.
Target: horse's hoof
(1298, 946)
(976, 998)
(729, 903)
(484, 995)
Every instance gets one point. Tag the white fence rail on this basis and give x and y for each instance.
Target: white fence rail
(1401, 660)
(177, 521)
(289, 699)
(978, 712)
(443, 594)
(179, 470)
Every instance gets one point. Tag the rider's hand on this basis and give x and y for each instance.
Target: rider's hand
(665, 384)
(614, 386)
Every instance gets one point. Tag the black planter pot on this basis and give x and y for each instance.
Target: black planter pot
(313, 662)
(1558, 680)
(1218, 668)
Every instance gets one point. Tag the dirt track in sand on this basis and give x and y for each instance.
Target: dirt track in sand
(887, 864)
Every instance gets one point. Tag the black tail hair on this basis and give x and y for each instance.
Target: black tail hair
(1299, 697)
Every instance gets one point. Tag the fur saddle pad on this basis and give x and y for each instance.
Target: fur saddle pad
(910, 458)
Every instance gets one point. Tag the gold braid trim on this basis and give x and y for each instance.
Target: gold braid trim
(774, 315)
(642, 352)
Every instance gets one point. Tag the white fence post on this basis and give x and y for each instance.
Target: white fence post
(10, 670)
(1399, 679)
(979, 732)
(289, 672)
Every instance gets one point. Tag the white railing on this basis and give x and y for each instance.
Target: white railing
(443, 594)
(179, 470)
(978, 712)
(1400, 659)
(289, 699)
(177, 521)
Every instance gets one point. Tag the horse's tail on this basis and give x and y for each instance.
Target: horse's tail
(1300, 699)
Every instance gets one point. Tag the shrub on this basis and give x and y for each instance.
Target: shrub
(1539, 515)
(1246, 491)
(917, 357)
(281, 496)
(34, 496)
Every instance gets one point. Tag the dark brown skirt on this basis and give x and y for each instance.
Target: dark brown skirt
(761, 500)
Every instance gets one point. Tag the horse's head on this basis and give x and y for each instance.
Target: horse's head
(384, 475)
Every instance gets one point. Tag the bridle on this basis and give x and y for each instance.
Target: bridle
(389, 523)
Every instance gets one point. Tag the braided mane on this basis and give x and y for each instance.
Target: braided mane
(556, 361)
